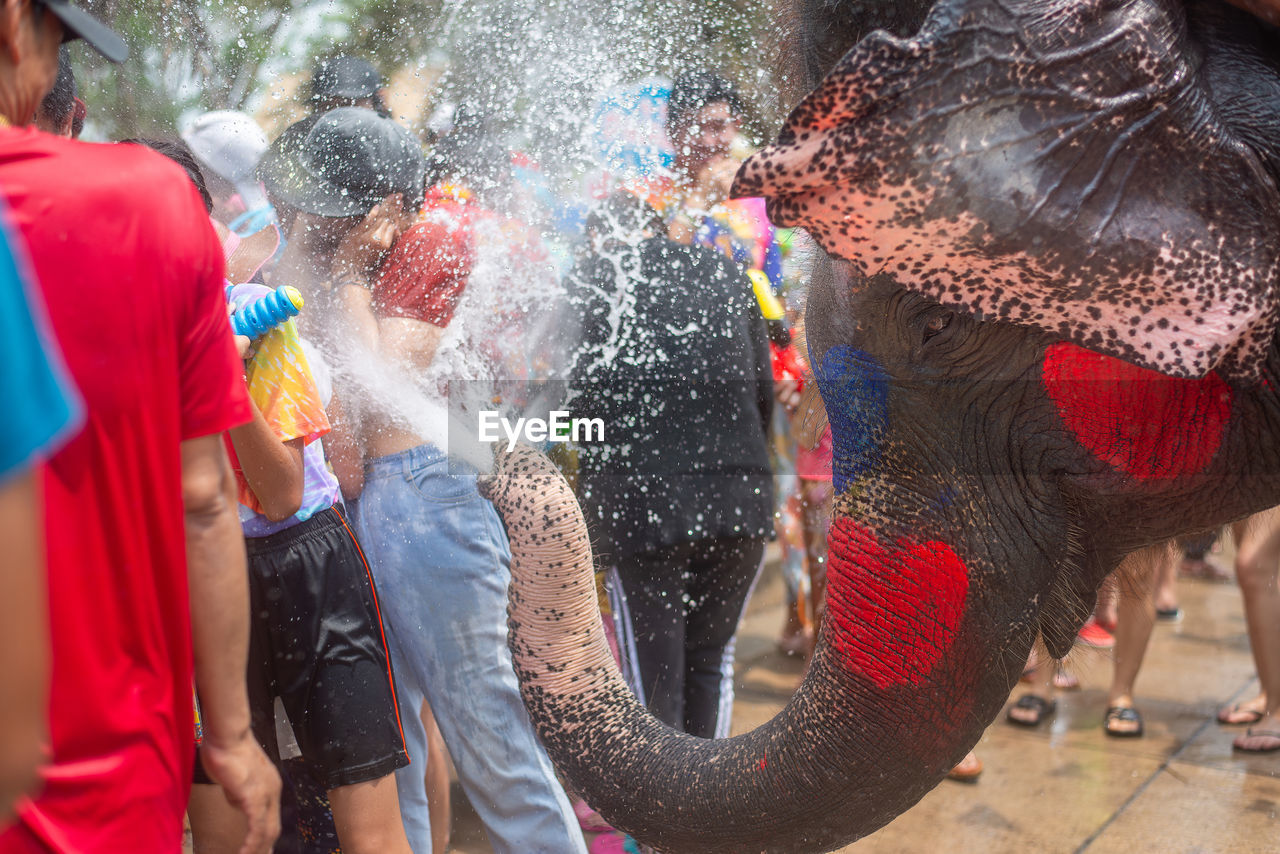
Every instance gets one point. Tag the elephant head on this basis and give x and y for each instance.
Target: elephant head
(1046, 339)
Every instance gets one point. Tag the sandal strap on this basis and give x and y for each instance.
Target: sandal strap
(1128, 714)
(1033, 701)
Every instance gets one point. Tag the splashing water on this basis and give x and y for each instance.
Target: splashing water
(553, 103)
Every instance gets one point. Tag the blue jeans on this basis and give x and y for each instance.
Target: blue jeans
(441, 561)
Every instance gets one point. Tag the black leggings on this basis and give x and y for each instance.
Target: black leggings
(679, 611)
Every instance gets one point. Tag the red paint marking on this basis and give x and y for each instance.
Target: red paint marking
(763, 763)
(892, 612)
(1136, 420)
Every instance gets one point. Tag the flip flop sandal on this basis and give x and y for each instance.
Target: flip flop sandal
(1032, 703)
(1122, 714)
(1249, 716)
(1265, 733)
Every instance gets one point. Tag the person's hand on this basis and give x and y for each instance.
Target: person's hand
(251, 784)
(362, 249)
(787, 393)
(715, 179)
(252, 254)
(244, 344)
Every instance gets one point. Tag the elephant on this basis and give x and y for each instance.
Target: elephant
(1045, 338)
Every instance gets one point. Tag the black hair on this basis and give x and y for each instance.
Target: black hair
(694, 90)
(61, 100)
(179, 153)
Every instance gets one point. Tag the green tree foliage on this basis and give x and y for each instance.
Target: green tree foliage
(514, 54)
(186, 54)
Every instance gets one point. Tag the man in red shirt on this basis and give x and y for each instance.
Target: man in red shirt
(140, 505)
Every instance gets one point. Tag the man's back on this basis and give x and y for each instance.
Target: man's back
(683, 387)
(132, 273)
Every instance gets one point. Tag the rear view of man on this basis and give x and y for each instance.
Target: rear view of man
(131, 272)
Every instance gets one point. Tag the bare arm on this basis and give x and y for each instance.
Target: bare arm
(356, 304)
(273, 468)
(409, 343)
(218, 577)
(356, 261)
(344, 446)
(24, 654)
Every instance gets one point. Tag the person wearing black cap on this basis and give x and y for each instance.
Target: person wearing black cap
(138, 519)
(346, 81)
(345, 183)
(310, 590)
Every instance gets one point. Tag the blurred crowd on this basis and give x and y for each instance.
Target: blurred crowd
(250, 589)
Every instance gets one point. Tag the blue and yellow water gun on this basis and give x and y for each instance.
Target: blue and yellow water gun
(258, 317)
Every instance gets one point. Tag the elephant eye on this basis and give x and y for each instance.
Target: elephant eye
(937, 323)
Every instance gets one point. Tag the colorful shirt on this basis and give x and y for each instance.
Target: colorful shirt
(738, 228)
(131, 274)
(282, 386)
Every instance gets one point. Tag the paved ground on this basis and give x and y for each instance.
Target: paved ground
(1066, 787)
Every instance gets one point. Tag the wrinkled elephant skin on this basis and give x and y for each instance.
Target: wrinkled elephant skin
(1046, 339)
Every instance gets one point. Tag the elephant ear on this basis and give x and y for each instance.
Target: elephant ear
(1059, 165)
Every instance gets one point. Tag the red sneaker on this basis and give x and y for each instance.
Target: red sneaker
(1094, 635)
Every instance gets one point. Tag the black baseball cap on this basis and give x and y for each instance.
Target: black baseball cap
(345, 77)
(79, 24)
(343, 163)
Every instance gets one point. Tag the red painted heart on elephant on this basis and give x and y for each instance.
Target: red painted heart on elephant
(892, 611)
(1139, 422)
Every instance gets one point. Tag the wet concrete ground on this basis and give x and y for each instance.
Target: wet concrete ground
(1066, 787)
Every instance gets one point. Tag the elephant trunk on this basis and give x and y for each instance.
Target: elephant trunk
(874, 726)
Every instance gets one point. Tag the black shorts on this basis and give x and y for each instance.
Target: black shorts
(316, 641)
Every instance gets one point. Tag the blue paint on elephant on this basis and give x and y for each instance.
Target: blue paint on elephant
(855, 390)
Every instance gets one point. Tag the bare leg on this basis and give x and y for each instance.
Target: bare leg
(1099, 630)
(1257, 567)
(815, 502)
(1134, 620)
(439, 803)
(367, 817)
(797, 629)
(216, 826)
(1104, 609)
(1026, 711)
(1166, 585)
(816, 499)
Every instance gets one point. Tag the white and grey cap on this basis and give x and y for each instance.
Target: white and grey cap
(230, 143)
